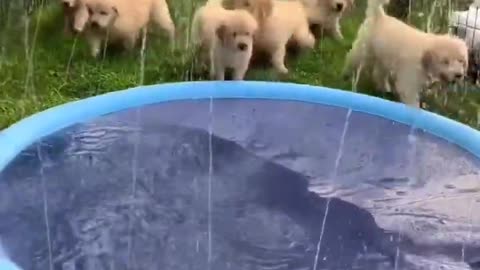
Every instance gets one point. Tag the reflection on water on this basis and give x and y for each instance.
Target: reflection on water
(262, 215)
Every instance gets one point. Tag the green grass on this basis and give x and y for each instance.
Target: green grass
(46, 75)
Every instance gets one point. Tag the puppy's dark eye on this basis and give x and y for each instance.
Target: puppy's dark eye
(103, 13)
(234, 34)
(247, 33)
(90, 11)
(446, 61)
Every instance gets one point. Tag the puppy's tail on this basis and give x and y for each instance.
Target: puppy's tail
(375, 8)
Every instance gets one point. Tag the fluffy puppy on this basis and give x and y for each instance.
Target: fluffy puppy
(75, 16)
(279, 22)
(228, 37)
(122, 21)
(324, 16)
(232, 47)
(408, 58)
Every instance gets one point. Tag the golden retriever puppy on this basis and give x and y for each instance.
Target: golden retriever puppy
(407, 58)
(75, 16)
(122, 21)
(324, 16)
(228, 37)
(232, 47)
(280, 21)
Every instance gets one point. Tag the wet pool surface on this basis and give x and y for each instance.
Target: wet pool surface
(276, 185)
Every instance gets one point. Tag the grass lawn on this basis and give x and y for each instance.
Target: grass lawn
(55, 69)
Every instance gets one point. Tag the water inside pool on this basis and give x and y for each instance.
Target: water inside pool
(229, 184)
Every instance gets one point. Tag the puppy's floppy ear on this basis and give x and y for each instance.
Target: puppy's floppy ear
(221, 32)
(428, 59)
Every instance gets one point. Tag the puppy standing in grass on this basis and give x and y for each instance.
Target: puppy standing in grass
(324, 16)
(228, 37)
(122, 21)
(408, 58)
(281, 21)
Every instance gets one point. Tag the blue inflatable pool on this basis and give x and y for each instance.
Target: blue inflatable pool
(238, 175)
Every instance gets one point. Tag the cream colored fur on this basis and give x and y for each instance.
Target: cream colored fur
(327, 14)
(227, 35)
(403, 56)
(287, 20)
(122, 21)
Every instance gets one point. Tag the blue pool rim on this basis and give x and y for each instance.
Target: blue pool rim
(24, 133)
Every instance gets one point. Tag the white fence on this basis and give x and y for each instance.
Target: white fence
(466, 25)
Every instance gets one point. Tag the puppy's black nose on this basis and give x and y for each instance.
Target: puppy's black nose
(242, 46)
(339, 6)
(95, 25)
(459, 76)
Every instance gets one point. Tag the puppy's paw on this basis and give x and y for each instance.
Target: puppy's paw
(95, 46)
(310, 41)
(94, 53)
(282, 70)
(303, 41)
